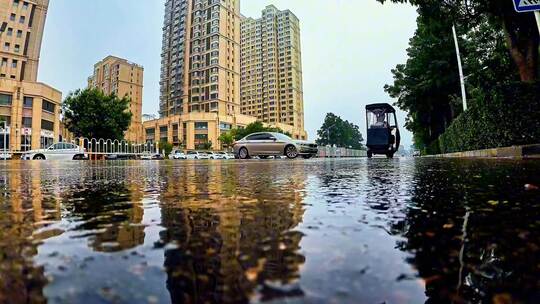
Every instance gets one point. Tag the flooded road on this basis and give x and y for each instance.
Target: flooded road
(318, 231)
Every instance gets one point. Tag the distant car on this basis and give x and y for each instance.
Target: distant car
(226, 155)
(416, 153)
(152, 157)
(266, 144)
(177, 154)
(197, 155)
(215, 155)
(5, 155)
(58, 151)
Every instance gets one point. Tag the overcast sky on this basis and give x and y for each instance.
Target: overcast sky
(348, 48)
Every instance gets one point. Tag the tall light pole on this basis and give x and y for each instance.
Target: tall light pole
(328, 132)
(461, 77)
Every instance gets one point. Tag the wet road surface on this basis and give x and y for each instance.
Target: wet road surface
(318, 231)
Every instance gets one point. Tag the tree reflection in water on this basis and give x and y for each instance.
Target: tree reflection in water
(473, 231)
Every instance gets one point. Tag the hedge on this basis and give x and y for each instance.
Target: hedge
(508, 115)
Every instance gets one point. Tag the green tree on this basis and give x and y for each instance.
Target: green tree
(92, 114)
(339, 132)
(166, 147)
(519, 29)
(226, 139)
(254, 127)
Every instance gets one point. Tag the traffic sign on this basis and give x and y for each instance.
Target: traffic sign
(523, 6)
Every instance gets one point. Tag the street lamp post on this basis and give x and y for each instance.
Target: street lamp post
(328, 132)
(461, 77)
(4, 129)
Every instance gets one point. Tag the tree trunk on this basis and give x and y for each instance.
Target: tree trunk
(523, 41)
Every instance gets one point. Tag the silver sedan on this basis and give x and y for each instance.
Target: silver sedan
(268, 144)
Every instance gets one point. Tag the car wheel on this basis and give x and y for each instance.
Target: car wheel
(308, 156)
(39, 157)
(291, 152)
(243, 153)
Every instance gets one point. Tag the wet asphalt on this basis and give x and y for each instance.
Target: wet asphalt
(274, 231)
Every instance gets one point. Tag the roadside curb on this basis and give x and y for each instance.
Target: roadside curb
(527, 151)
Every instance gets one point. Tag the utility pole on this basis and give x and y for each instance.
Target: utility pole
(461, 77)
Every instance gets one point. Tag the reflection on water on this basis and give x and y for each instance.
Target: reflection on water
(342, 231)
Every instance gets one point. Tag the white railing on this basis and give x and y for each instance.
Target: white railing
(335, 152)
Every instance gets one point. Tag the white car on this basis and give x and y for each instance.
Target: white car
(197, 155)
(177, 154)
(225, 155)
(215, 155)
(5, 155)
(58, 151)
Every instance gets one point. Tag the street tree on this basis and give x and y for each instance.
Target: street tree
(166, 147)
(339, 132)
(519, 29)
(226, 139)
(92, 114)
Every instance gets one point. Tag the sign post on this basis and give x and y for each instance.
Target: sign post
(525, 6)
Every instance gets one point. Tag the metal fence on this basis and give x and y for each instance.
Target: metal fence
(335, 152)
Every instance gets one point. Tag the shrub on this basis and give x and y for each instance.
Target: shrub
(508, 115)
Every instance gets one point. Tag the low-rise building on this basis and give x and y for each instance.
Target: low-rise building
(197, 130)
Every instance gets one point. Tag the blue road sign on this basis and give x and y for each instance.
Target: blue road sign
(523, 6)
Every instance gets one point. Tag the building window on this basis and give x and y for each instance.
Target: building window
(25, 5)
(46, 142)
(5, 100)
(14, 63)
(22, 19)
(163, 129)
(10, 32)
(201, 126)
(28, 102)
(47, 125)
(48, 106)
(17, 48)
(12, 17)
(4, 62)
(6, 46)
(27, 122)
(19, 34)
(26, 142)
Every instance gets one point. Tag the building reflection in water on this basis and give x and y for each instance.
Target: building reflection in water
(234, 236)
(23, 211)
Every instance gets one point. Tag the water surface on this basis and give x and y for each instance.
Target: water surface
(318, 231)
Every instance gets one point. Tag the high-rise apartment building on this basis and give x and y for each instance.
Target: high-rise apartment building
(29, 109)
(118, 76)
(200, 62)
(271, 68)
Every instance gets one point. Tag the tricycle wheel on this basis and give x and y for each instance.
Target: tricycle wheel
(390, 155)
(369, 154)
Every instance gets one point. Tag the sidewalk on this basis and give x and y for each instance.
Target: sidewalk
(528, 151)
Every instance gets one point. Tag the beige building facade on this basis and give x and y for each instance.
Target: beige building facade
(30, 109)
(271, 68)
(114, 75)
(194, 130)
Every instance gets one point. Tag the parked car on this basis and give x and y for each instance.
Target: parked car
(226, 155)
(5, 155)
(266, 144)
(58, 151)
(197, 155)
(177, 154)
(215, 155)
(152, 157)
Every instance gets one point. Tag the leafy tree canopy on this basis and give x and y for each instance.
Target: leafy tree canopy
(519, 30)
(254, 127)
(339, 132)
(92, 114)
